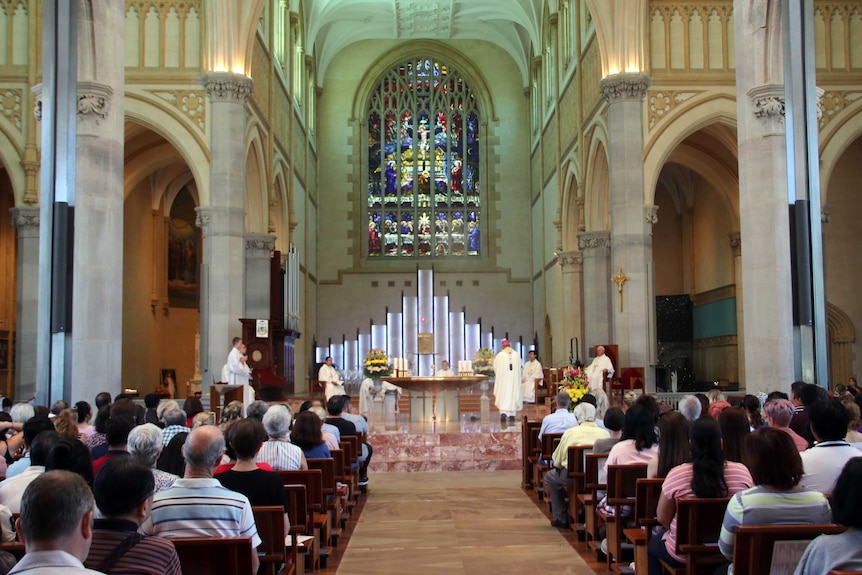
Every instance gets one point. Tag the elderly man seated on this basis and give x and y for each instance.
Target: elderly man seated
(56, 524)
(175, 422)
(197, 505)
(557, 479)
(123, 490)
(278, 452)
(561, 420)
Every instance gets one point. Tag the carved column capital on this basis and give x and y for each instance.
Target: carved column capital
(594, 240)
(94, 100)
(735, 239)
(25, 220)
(228, 87)
(37, 101)
(651, 215)
(826, 214)
(624, 87)
(259, 246)
(767, 104)
(571, 261)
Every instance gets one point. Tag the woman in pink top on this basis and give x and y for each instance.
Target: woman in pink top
(639, 442)
(708, 476)
(778, 413)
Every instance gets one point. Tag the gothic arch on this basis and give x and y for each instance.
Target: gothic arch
(256, 190)
(842, 335)
(835, 144)
(10, 158)
(597, 195)
(569, 208)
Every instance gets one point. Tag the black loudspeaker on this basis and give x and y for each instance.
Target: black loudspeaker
(800, 263)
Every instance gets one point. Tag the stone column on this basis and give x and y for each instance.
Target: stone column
(223, 221)
(736, 248)
(631, 225)
(764, 221)
(596, 249)
(26, 222)
(258, 250)
(572, 268)
(97, 285)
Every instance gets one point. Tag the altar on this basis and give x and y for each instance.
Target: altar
(443, 392)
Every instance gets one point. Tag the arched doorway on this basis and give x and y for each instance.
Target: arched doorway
(161, 262)
(696, 261)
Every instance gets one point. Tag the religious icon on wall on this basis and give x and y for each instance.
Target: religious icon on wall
(183, 251)
(168, 383)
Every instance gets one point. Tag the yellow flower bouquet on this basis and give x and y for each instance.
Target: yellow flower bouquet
(376, 364)
(575, 384)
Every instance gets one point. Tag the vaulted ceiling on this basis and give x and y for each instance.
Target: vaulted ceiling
(333, 25)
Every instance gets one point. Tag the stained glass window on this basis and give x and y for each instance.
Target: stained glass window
(423, 188)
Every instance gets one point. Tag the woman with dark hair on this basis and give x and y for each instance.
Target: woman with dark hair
(246, 436)
(674, 444)
(734, 427)
(100, 428)
(843, 551)
(171, 459)
(707, 476)
(777, 497)
(639, 442)
(84, 412)
(192, 407)
(71, 455)
(752, 408)
(308, 436)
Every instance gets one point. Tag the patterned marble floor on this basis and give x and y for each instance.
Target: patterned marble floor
(455, 523)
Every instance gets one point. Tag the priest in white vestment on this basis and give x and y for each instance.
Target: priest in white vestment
(507, 382)
(444, 371)
(237, 371)
(531, 373)
(596, 371)
(329, 377)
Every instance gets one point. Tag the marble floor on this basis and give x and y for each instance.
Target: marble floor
(455, 523)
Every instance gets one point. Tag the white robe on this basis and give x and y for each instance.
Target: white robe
(239, 373)
(334, 385)
(507, 381)
(532, 371)
(594, 371)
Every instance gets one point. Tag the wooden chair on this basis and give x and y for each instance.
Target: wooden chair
(214, 555)
(318, 518)
(647, 492)
(270, 526)
(330, 494)
(575, 472)
(317, 388)
(621, 483)
(754, 544)
(593, 462)
(530, 450)
(297, 512)
(543, 463)
(698, 524)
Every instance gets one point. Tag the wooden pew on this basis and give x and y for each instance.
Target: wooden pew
(330, 494)
(297, 512)
(318, 518)
(214, 555)
(647, 492)
(621, 483)
(270, 526)
(342, 475)
(543, 464)
(575, 472)
(698, 524)
(753, 544)
(530, 448)
(588, 499)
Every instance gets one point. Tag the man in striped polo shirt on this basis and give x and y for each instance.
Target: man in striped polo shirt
(197, 505)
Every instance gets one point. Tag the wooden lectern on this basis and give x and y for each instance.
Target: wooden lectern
(222, 394)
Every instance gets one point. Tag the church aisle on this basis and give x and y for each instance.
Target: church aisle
(455, 523)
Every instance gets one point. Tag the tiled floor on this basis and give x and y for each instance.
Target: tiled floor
(455, 523)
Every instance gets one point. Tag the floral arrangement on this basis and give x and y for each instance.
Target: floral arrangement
(483, 363)
(575, 384)
(376, 364)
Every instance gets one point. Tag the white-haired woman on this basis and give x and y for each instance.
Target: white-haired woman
(278, 451)
(145, 445)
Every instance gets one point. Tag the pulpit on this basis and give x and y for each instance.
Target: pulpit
(221, 394)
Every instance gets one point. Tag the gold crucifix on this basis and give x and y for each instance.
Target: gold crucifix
(620, 279)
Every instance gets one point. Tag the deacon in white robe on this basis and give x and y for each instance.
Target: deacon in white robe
(507, 382)
(531, 373)
(595, 372)
(328, 376)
